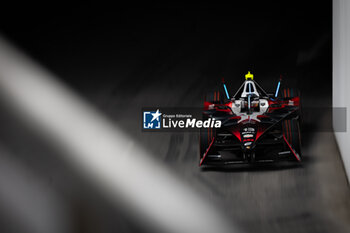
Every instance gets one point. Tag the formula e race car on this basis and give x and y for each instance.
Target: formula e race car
(256, 126)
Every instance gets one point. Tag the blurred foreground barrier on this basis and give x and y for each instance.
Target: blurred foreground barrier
(341, 75)
(113, 162)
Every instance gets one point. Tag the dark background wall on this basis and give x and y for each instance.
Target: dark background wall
(88, 44)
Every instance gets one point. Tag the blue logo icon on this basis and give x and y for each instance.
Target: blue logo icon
(151, 120)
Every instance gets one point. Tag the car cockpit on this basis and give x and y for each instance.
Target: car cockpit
(250, 98)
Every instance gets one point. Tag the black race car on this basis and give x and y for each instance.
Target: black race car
(256, 126)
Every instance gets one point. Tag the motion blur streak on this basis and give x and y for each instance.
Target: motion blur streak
(150, 194)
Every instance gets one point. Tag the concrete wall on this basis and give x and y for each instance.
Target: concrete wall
(341, 74)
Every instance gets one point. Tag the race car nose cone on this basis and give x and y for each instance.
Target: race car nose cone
(248, 145)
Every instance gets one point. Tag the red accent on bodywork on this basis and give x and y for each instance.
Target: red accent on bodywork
(283, 103)
(237, 134)
(258, 134)
(229, 104)
(248, 140)
(205, 155)
(236, 118)
(290, 147)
